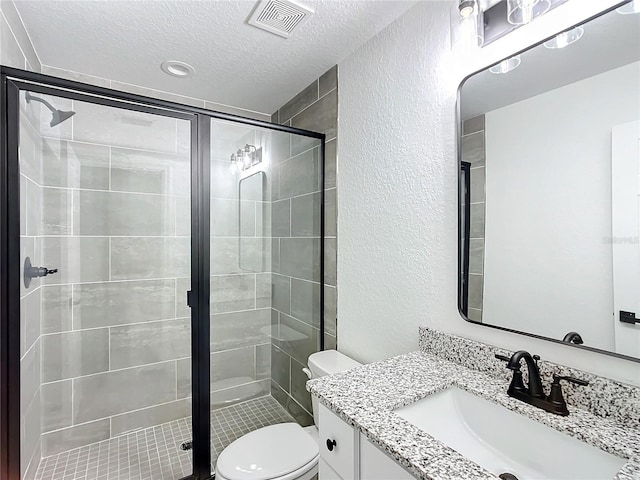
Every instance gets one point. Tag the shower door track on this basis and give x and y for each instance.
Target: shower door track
(13, 80)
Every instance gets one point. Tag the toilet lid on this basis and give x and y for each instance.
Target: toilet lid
(269, 452)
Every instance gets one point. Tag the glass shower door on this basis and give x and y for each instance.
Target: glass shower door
(105, 225)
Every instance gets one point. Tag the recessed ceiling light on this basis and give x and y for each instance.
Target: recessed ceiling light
(177, 69)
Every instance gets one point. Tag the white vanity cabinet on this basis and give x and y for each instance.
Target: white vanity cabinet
(346, 454)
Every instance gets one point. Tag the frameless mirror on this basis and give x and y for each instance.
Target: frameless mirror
(550, 189)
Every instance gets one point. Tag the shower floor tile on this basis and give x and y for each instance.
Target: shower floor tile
(154, 453)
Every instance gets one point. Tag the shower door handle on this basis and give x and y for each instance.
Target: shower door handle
(189, 298)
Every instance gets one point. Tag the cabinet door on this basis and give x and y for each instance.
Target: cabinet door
(338, 444)
(376, 465)
(325, 472)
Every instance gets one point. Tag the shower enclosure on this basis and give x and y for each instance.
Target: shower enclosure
(161, 282)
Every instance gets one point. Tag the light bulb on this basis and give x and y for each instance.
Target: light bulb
(521, 12)
(506, 65)
(629, 8)
(466, 8)
(565, 39)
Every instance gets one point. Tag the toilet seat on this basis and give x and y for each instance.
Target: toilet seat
(283, 452)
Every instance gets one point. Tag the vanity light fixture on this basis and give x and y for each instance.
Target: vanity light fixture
(521, 12)
(565, 39)
(245, 158)
(506, 65)
(629, 8)
(468, 26)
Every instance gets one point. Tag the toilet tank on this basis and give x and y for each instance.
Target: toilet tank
(325, 363)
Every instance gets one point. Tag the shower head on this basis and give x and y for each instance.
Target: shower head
(57, 116)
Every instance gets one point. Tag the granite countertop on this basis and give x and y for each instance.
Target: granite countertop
(366, 396)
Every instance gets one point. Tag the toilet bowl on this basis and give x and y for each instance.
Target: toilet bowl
(283, 451)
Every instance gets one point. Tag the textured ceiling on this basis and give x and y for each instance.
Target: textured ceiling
(236, 64)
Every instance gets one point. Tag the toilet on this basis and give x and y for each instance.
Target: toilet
(285, 451)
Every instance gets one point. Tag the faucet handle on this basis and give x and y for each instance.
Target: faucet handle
(577, 381)
(504, 358)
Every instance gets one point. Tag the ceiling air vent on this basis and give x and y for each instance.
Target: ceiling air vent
(281, 17)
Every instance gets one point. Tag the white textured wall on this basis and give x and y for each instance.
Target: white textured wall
(397, 175)
(551, 200)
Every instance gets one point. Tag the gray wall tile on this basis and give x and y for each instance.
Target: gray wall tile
(330, 342)
(150, 342)
(242, 393)
(473, 125)
(30, 159)
(229, 217)
(71, 164)
(240, 329)
(56, 211)
(56, 405)
(233, 367)
(305, 215)
(477, 185)
(34, 209)
(263, 361)
(148, 417)
(77, 259)
(114, 213)
(183, 285)
(305, 301)
(281, 218)
(476, 255)
(74, 437)
(183, 378)
(328, 81)
(281, 293)
(280, 368)
(99, 396)
(305, 342)
(232, 292)
(75, 76)
(73, 354)
(330, 274)
(117, 303)
(30, 376)
(330, 163)
(30, 433)
(299, 175)
(23, 205)
(263, 290)
(473, 150)
(330, 309)
(475, 291)
(150, 172)
(300, 257)
(330, 217)
(321, 117)
(477, 221)
(298, 103)
(30, 314)
(136, 258)
(126, 128)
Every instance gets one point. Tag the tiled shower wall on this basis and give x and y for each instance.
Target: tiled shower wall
(473, 151)
(296, 237)
(115, 222)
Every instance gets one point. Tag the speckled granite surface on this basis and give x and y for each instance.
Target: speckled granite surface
(365, 397)
(603, 397)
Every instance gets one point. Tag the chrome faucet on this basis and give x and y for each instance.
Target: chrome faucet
(533, 393)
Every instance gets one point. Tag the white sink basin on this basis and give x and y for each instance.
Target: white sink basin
(503, 441)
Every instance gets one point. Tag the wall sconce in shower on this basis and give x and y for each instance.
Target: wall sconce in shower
(245, 158)
(565, 39)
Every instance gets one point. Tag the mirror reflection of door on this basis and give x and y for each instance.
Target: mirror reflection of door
(625, 169)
